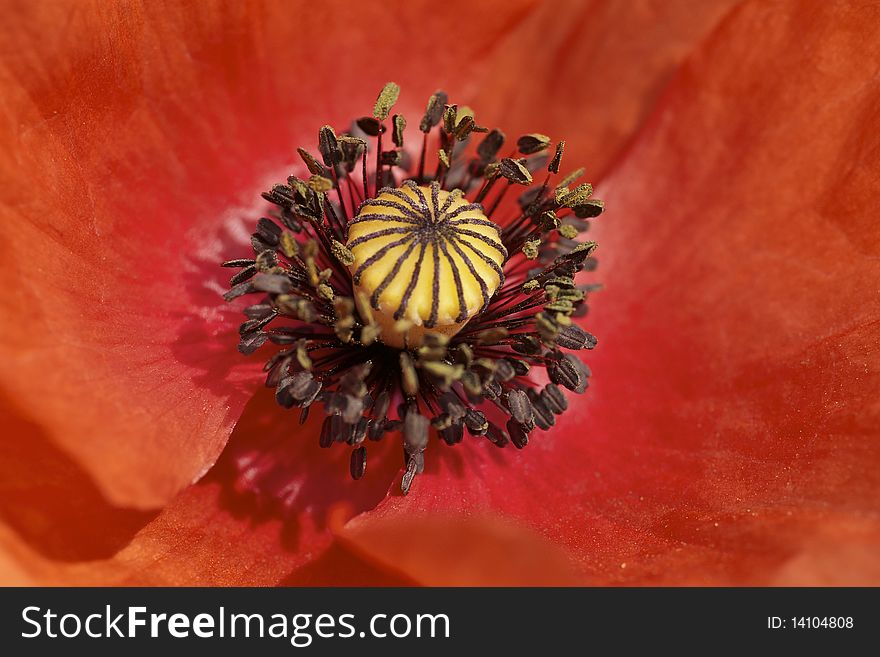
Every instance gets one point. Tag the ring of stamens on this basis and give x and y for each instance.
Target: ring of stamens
(352, 258)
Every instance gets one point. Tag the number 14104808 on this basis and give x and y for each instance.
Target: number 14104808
(809, 622)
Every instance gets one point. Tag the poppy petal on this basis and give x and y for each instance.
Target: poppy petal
(263, 511)
(730, 434)
(452, 550)
(590, 72)
(195, 540)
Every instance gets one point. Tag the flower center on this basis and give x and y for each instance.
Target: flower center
(403, 292)
(427, 259)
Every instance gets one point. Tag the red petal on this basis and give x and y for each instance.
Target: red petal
(146, 112)
(194, 541)
(731, 432)
(261, 513)
(589, 72)
(451, 550)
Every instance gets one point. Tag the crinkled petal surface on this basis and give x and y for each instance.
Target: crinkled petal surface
(590, 71)
(731, 432)
(442, 549)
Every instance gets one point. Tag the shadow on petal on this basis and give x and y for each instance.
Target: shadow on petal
(273, 467)
(443, 549)
(51, 503)
(340, 566)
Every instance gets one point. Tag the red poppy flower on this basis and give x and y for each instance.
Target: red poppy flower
(730, 434)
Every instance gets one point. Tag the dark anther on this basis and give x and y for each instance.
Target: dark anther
(533, 143)
(328, 144)
(452, 434)
(526, 344)
(544, 417)
(589, 209)
(358, 463)
(574, 337)
(434, 111)
(515, 171)
(406, 482)
(359, 430)
(554, 398)
(489, 147)
(268, 231)
(259, 311)
(497, 435)
(520, 407)
(492, 390)
(564, 373)
(243, 275)
(253, 325)
(518, 435)
(553, 167)
(312, 165)
(520, 367)
(239, 290)
(240, 262)
(250, 342)
(476, 422)
(370, 126)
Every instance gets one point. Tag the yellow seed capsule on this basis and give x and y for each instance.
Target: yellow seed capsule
(425, 256)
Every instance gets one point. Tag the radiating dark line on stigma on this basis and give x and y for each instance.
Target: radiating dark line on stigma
(498, 246)
(379, 233)
(408, 212)
(414, 279)
(406, 198)
(459, 288)
(418, 192)
(378, 255)
(484, 290)
(464, 208)
(435, 286)
(391, 275)
(484, 258)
